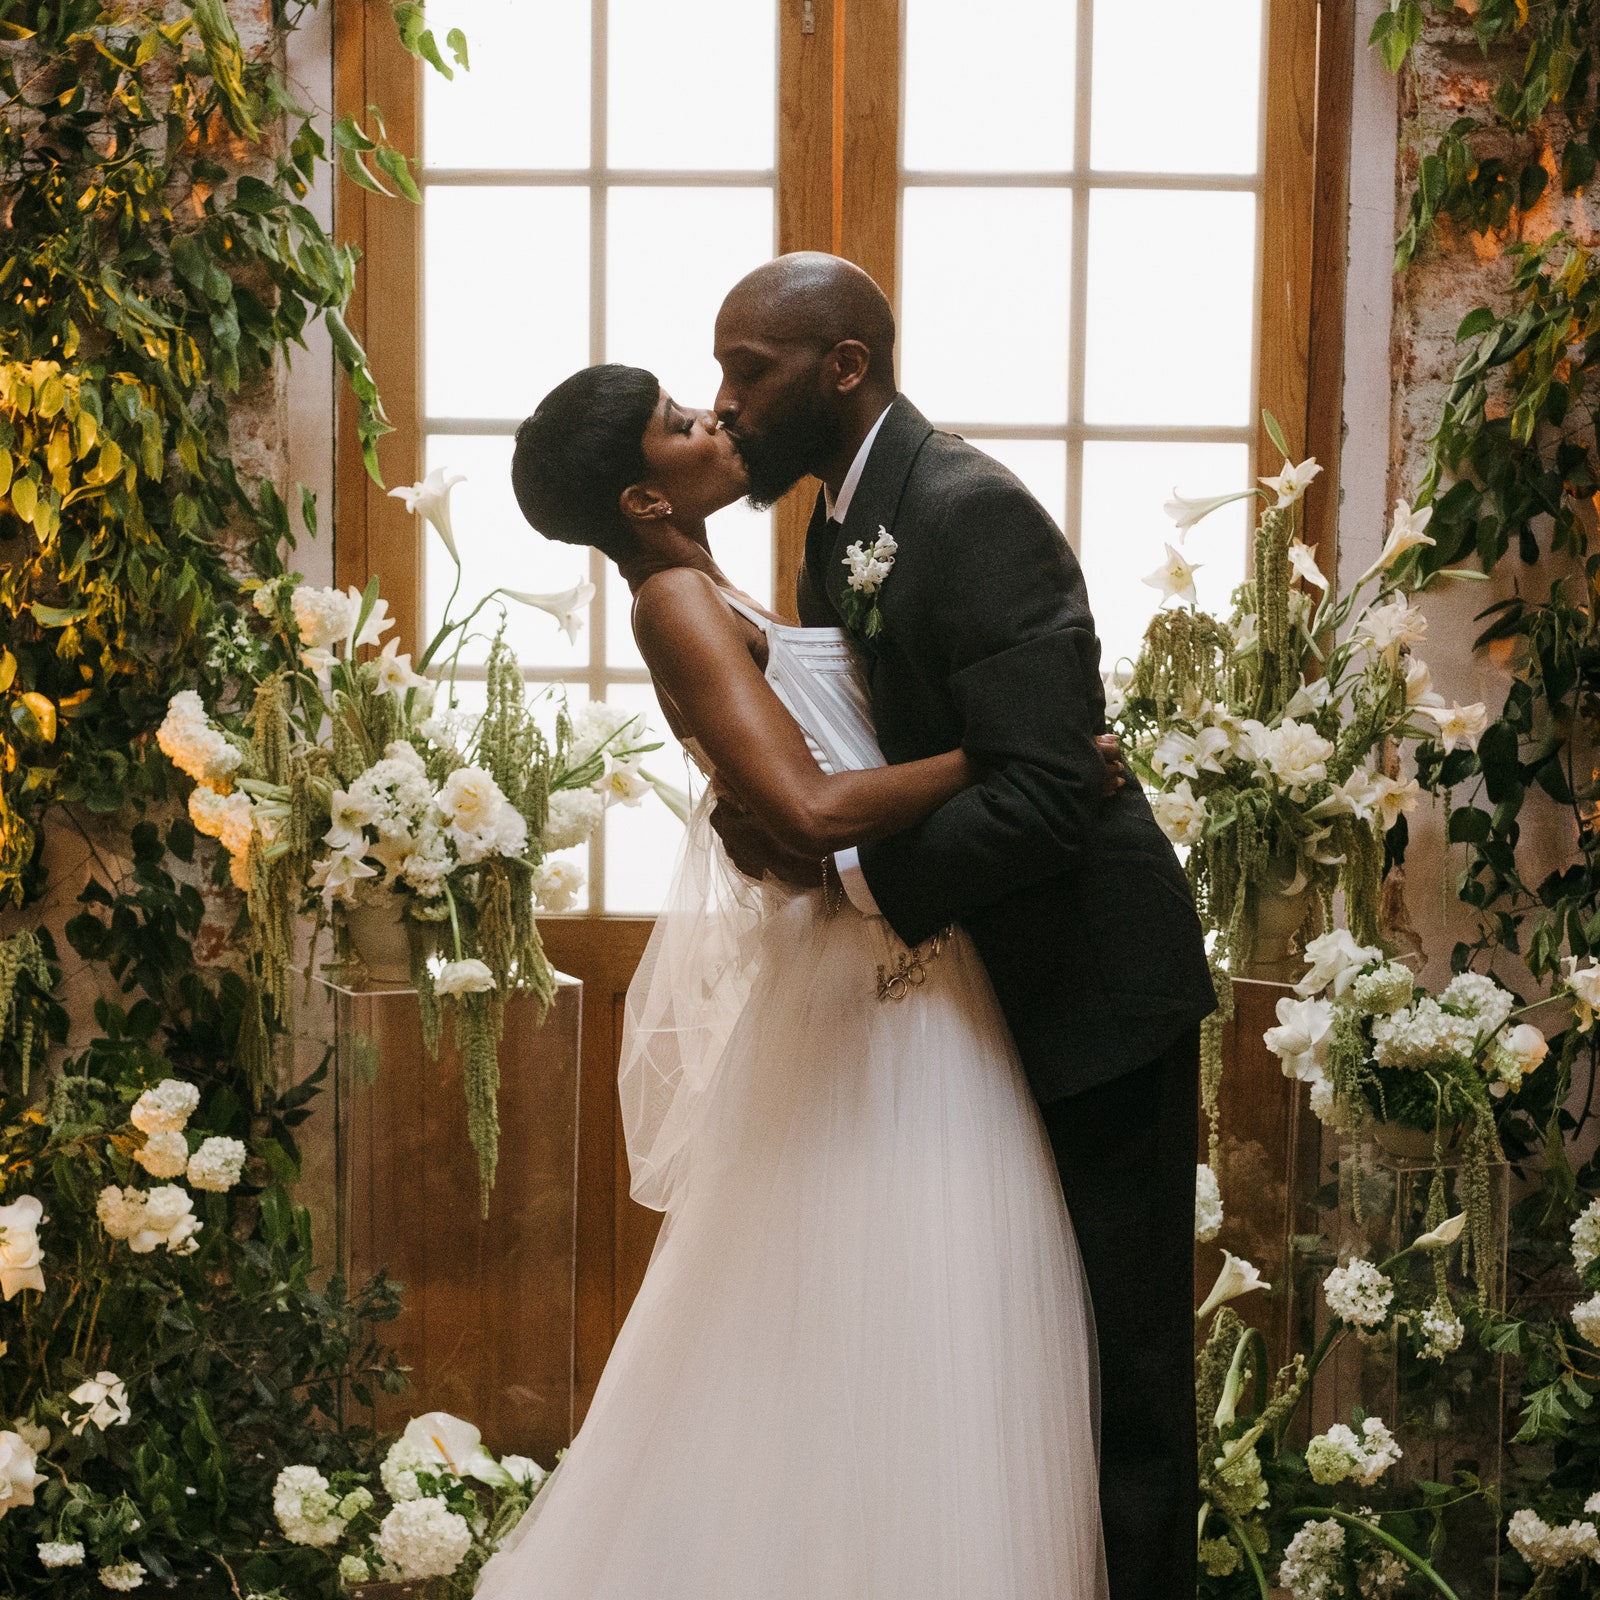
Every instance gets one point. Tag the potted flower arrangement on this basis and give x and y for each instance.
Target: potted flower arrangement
(442, 1505)
(348, 785)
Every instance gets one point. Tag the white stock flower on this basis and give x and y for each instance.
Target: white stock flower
(190, 742)
(165, 1108)
(1207, 1204)
(1584, 982)
(164, 1154)
(1476, 995)
(122, 1576)
(430, 499)
(1442, 1332)
(1237, 1277)
(1313, 1562)
(1586, 1237)
(1458, 724)
(1292, 482)
(394, 671)
(19, 1476)
(870, 566)
(216, 1166)
(602, 724)
(1335, 961)
(1547, 1547)
(60, 1553)
(1302, 1038)
(567, 606)
(1407, 529)
(1180, 815)
(1295, 753)
(463, 977)
(573, 815)
(323, 616)
(1303, 563)
(622, 781)
(20, 1252)
(104, 1398)
(1586, 1319)
(1174, 577)
(1358, 1293)
(423, 1539)
(1389, 628)
(306, 1508)
(226, 818)
(1341, 1454)
(556, 884)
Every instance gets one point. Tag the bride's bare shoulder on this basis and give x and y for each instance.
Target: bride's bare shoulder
(680, 606)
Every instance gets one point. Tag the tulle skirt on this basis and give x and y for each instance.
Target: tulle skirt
(861, 1364)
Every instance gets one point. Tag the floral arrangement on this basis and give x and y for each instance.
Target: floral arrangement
(444, 1506)
(344, 791)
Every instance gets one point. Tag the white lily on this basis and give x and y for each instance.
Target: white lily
(622, 780)
(564, 607)
(378, 622)
(337, 875)
(430, 500)
(1407, 530)
(1236, 1278)
(1459, 724)
(1292, 482)
(1305, 566)
(1185, 513)
(1419, 684)
(1447, 1232)
(1175, 578)
(394, 671)
(347, 816)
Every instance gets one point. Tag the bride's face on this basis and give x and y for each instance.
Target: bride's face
(692, 460)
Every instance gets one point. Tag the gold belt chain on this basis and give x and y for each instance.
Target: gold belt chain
(910, 970)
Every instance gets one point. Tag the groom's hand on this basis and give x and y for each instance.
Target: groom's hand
(756, 853)
(1111, 756)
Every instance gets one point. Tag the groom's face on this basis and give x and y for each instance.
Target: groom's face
(775, 402)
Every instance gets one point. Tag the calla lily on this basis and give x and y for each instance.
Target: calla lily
(1447, 1232)
(1407, 530)
(457, 1445)
(1292, 482)
(1175, 577)
(1236, 1278)
(564, 607)
(430, 499)
(1185, 513)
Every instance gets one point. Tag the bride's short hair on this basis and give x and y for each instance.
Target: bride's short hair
(583, 445)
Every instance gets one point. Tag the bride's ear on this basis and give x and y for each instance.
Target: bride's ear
(641, 504)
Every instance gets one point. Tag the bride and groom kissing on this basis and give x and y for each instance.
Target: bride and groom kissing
(911, 1061)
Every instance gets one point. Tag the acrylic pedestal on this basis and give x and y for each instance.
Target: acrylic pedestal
(487, 1323)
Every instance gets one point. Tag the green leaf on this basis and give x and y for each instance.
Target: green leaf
(457, 41)
(1275, 433)
(399, 168)
(1475, 322)
(57, 616)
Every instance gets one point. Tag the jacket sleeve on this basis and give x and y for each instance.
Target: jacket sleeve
(1023, 664)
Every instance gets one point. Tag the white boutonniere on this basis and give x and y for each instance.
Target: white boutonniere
(869, 566)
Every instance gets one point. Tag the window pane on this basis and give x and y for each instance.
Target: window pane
(988, 90)
(1042, 466)
(1176, 86)
(1170, 331)
(672, 254)
(506, 297)
(498, 548)
(1125, 531)
(692, 87)
(525, 102)
(983, 291)
(641, 842)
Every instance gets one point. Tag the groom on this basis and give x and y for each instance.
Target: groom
(979, 635)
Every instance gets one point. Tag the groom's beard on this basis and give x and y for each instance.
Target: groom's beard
(777, 460)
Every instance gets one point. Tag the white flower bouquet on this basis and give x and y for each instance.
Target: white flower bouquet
(442, 1506)
(345, 791)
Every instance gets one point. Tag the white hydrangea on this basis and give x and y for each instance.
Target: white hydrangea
(1180, 814)
(1442, 1332)
(165, 1108)
(306, 1509)
(1476, 995)
(1586, 1319)
(393, 790)
(1207, 1204)
(1586, 1237)
(1545, 1546)
(190, 742)
(574, 814)
(1380, 1575)
(323, 616)
(124, 1575)
(423, 1539)
(164, 1216)
(596, 725)
(1341, 1453)
(429, 861)
(164, 1153)
(1358, 1293)
(352, 1569)
(1385, 991)
(354, 1503)
(1313, 1562)
(400, 1467)
(217, 1164)
(1423, 1035)
(556, 884)
(60, 1553)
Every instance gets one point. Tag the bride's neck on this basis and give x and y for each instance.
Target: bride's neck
(668, 545)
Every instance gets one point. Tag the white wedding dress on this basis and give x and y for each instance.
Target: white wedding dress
(861, 1363)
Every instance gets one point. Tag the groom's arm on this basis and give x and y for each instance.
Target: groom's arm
(1023, 666)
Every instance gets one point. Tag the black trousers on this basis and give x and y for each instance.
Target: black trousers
(1126, 1153)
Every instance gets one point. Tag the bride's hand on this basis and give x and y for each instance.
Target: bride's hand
(755, 852)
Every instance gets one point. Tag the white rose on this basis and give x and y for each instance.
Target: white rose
(1584, 982)
(18, 1477)
(470, 798)
(463, 977)
(20, 1252)
(1295, 753)
(1335, 961)
(556, 884)
(1180, 814)
(323, 616)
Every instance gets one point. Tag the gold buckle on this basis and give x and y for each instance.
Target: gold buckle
(910, 970)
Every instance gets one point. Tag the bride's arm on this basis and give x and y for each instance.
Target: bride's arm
(696, 651)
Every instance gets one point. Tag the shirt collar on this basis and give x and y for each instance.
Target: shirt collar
(839, 509)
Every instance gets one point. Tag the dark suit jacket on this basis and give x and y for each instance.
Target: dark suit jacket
(1076, 902)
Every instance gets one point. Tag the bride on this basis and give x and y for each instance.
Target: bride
(860, 1364)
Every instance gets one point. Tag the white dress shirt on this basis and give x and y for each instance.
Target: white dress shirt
(848, 862)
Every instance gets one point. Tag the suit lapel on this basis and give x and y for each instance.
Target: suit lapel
(812, 601)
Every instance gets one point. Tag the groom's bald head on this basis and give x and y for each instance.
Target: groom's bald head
(806, 346)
